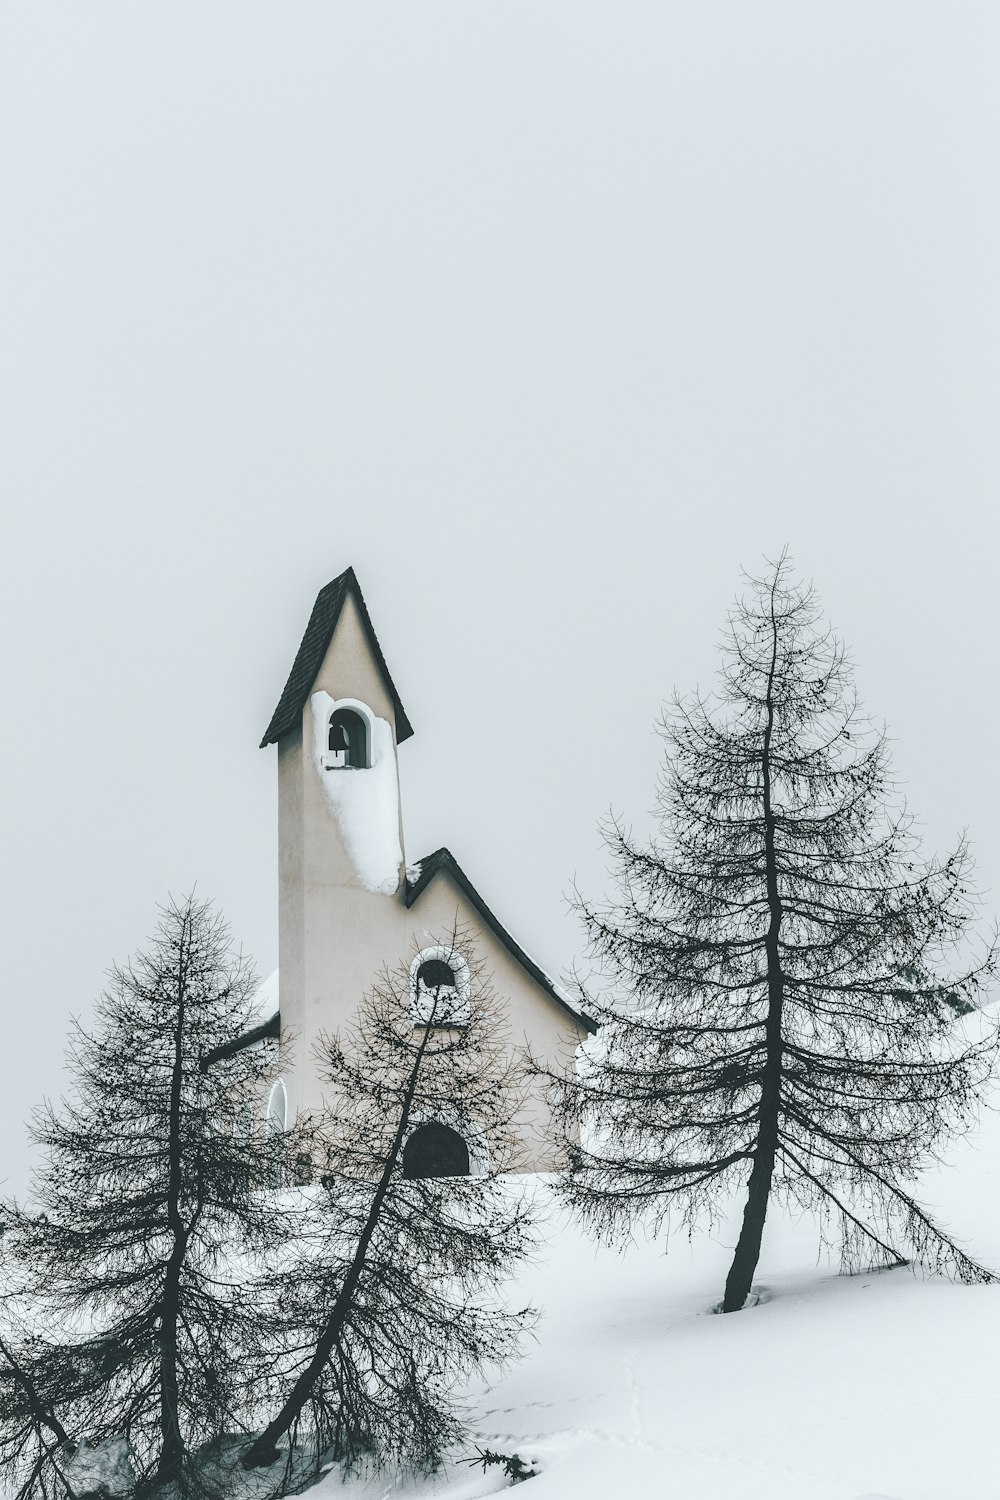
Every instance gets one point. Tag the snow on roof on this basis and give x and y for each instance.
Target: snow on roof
(264, 1002)
(262, 1022)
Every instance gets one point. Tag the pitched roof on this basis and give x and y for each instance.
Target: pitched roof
(313, 648)
(267, 1029)
(443, 861)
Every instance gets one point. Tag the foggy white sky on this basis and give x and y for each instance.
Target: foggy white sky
(548, 318)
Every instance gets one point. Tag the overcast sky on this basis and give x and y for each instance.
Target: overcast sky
(548, 318)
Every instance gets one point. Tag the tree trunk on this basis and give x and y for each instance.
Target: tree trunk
(747, 1254)
(262, 1452)
(171, 1442)
(741, 1272)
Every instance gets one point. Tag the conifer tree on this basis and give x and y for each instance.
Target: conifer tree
(32, 1438)
(148, 1194)
(789, 1012)
(393, 1293)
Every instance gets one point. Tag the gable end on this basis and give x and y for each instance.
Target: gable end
(443, 861)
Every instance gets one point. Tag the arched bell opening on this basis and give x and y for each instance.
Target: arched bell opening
(347, 740)
(435, 1150)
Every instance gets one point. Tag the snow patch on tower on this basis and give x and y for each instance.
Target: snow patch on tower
(365, 802)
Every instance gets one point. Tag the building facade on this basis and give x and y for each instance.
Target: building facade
(349, 900)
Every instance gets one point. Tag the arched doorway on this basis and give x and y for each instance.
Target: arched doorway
(435, 1150)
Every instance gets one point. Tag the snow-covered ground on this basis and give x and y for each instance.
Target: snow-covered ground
(880, 1386)
(874, 1387)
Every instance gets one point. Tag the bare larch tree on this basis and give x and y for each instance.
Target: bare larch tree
(788, 1011)
(33, 1441)
(131, 1253)
(394, 1293)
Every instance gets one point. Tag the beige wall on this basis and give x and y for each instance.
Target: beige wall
(334, 934)
(530, 1015)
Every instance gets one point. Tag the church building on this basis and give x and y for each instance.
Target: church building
(350, 901)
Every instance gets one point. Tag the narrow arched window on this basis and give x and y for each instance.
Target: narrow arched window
(277, 1123)
(435, 1150)
(347, 739)
(277, 1110)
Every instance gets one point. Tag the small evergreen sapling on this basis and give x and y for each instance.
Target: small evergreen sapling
(393, 1296)
(512, 1464)
(147, 1198)
(793, 1013)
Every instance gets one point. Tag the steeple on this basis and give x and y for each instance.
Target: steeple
(340, 835)
(313, 648)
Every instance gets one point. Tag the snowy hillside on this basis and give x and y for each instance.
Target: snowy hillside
(880, 1386)
(875, 1387)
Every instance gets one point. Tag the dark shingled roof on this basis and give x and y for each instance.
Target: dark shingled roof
(442, 860)
(266, 1029)
(313, 648)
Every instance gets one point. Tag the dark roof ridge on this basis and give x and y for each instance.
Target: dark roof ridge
(443, 859)
(313, 648)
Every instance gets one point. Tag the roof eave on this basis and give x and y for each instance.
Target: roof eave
(267, 1030)
(443, 861)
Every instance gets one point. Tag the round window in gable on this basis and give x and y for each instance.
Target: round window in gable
(439, 988)
(435, 974)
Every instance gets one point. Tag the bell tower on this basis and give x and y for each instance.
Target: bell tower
(340, 835)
